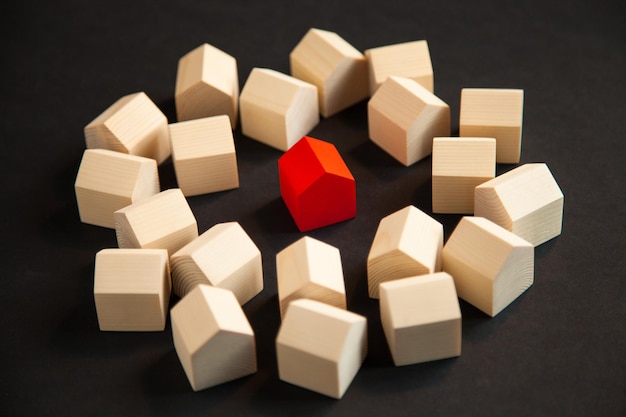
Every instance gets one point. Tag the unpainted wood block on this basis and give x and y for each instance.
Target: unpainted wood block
(320, 347)
(408, 242)
(108, 181)
(494, 113)
(207, 84)
(132, 289)
(491, 266)
(316, 184)
(132, 125)
(163, 221)
(525, 200)
(277, 109)
(309, 268)
(458, 166)
(336, 68)
(404, 117)
(212, 337)
(421, 318)
(203, 155)
(224, 256)
(408, 59)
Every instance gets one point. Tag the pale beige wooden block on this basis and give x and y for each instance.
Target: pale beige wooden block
(491, 266)
(309, 268)
(277, 109)
(526, 201)
(207, 84)
(320, 347)
(336, 68)
(212, 337)
(132, 125)
(132, 289)
(494, 113)
(108, 181)
(224, 256)
(163, 221)
(421, 318)
(408, 242)
(408, 59)
(404, 117)
(458, 166)
(203, 155)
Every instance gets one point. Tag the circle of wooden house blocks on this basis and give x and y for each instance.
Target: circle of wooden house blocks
(277, 109)
(133, 125)
(494, 113)
(132, 289)
(408, 59)
(108, 181)
(421, 318)
(526, 201)
(336, 68)
(491, 266)
(320, 347)
(212, 337)
(163, 221)
(224, 256)
(309, 268)
(207, 85)
(316, 185)
(458, 166)
(404, 117)
(203, 155)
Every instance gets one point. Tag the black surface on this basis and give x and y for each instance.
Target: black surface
(557, 350)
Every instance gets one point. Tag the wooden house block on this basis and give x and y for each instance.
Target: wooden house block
(458, 166)
(132, 125)
(310, 269)
(163, 221)
(108, 181)
(207, 84)
(491, 266)
(320, 347)
(526, 201)
(404, 117)
(224, 256)
(408, 59)
(212, 337)
(132, 289)
(316, 185)
(407, 243)
(203, 155)
(336, 68)
(277, 109)
(421, 318)
(494, 113)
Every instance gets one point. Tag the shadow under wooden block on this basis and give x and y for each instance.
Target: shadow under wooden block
(421, 318)
(132, 125)
(108, 181)
(213, 338)
(224, 256)
(526, 201)
(320, 347)
(408, 242)
(491, 266)
(132, 289)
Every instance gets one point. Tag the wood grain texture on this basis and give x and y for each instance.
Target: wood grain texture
(336, 68)
(320, 347)
(408, 242)
(526, 201)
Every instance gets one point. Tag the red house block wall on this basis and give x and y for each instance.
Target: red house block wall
(316, 184)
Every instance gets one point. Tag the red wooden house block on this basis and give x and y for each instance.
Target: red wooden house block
(316, 184)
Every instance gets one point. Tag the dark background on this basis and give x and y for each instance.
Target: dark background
(557, 350)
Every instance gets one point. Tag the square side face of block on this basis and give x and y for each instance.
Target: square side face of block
(385, 133)
(308, 371)
(130, 312)
(428, 342)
